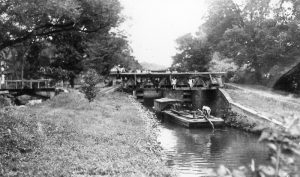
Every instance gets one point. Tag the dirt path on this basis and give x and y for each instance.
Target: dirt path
(106, 90)
(267, 92)
(274, 105)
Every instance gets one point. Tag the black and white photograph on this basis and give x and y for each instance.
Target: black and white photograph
(150, 88)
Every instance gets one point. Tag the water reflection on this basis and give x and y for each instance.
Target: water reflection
(195, 152)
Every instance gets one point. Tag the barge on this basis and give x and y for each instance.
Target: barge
(172, 110)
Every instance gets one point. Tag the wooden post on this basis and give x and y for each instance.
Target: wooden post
(38, 84)
(135, 80)
(30, 84)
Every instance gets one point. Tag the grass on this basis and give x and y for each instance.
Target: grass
(68, 136)
(279, 107)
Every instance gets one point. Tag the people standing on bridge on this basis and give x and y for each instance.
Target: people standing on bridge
(191, 83)
(173, 82)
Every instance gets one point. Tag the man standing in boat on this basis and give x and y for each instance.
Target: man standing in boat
(206, 111)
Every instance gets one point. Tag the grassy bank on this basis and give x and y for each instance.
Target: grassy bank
(281, 108)
(68, 136)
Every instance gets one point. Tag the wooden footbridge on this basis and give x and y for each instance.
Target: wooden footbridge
(200, 80)
(27, 84)
(41, 87)
(154, 85)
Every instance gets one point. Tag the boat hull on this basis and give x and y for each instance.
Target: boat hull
(192, 123)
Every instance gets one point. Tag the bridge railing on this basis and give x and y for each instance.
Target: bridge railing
(200, 80)
(28, 84)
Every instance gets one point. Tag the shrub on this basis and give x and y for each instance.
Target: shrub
(90, 78)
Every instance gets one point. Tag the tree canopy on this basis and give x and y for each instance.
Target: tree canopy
(70, 35)
(256, 35)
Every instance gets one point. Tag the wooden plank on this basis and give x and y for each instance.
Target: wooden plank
(4, 92)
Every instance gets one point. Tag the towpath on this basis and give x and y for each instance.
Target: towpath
(263, 100)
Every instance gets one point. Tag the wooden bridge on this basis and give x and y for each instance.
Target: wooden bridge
(28, 84)
(156, 85)
(40, 87)
(201, 80)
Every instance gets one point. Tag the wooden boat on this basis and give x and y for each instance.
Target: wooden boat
(190, 122)
(186, 118)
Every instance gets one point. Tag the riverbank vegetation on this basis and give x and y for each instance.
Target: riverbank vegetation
(254, 39)
(59, 39)
(70, 136)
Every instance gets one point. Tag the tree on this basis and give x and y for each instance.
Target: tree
(105, 51)
(39, 19)
(256, 35)
(77, 33)
(194, 54)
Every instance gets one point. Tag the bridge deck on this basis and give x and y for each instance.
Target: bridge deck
(27, 84)
(161, 81)
(185, 74)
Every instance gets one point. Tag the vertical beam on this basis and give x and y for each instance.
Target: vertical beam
(135, 80)
(170, 81)
(210, 77)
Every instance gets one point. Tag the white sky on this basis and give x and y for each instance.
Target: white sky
(154, 25)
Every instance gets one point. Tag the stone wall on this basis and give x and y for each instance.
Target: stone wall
(152, 93)
(212, 98)
(174, 94)
(246, 118)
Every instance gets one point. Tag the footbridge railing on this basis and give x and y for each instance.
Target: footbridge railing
(27, 84)
(164, 80)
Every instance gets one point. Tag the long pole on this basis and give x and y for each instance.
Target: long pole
(206, 118)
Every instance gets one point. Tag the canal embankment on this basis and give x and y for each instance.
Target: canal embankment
(255, 110)
(68, 136)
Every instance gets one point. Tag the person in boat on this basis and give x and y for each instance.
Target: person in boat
(206, 111)
(173, 82)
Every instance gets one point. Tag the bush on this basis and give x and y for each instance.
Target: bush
(90, 78)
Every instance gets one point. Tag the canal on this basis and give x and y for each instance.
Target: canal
(196, 152)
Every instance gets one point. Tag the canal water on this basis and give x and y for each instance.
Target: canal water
(196, 152)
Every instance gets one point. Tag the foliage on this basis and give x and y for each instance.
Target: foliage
(91, 78)
(106, 51)
(35, 20)
(256, 35)
(58, 73)
(194, 54)
(63, 34)
(218, 63)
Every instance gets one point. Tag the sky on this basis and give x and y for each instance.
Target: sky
(154, 25)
